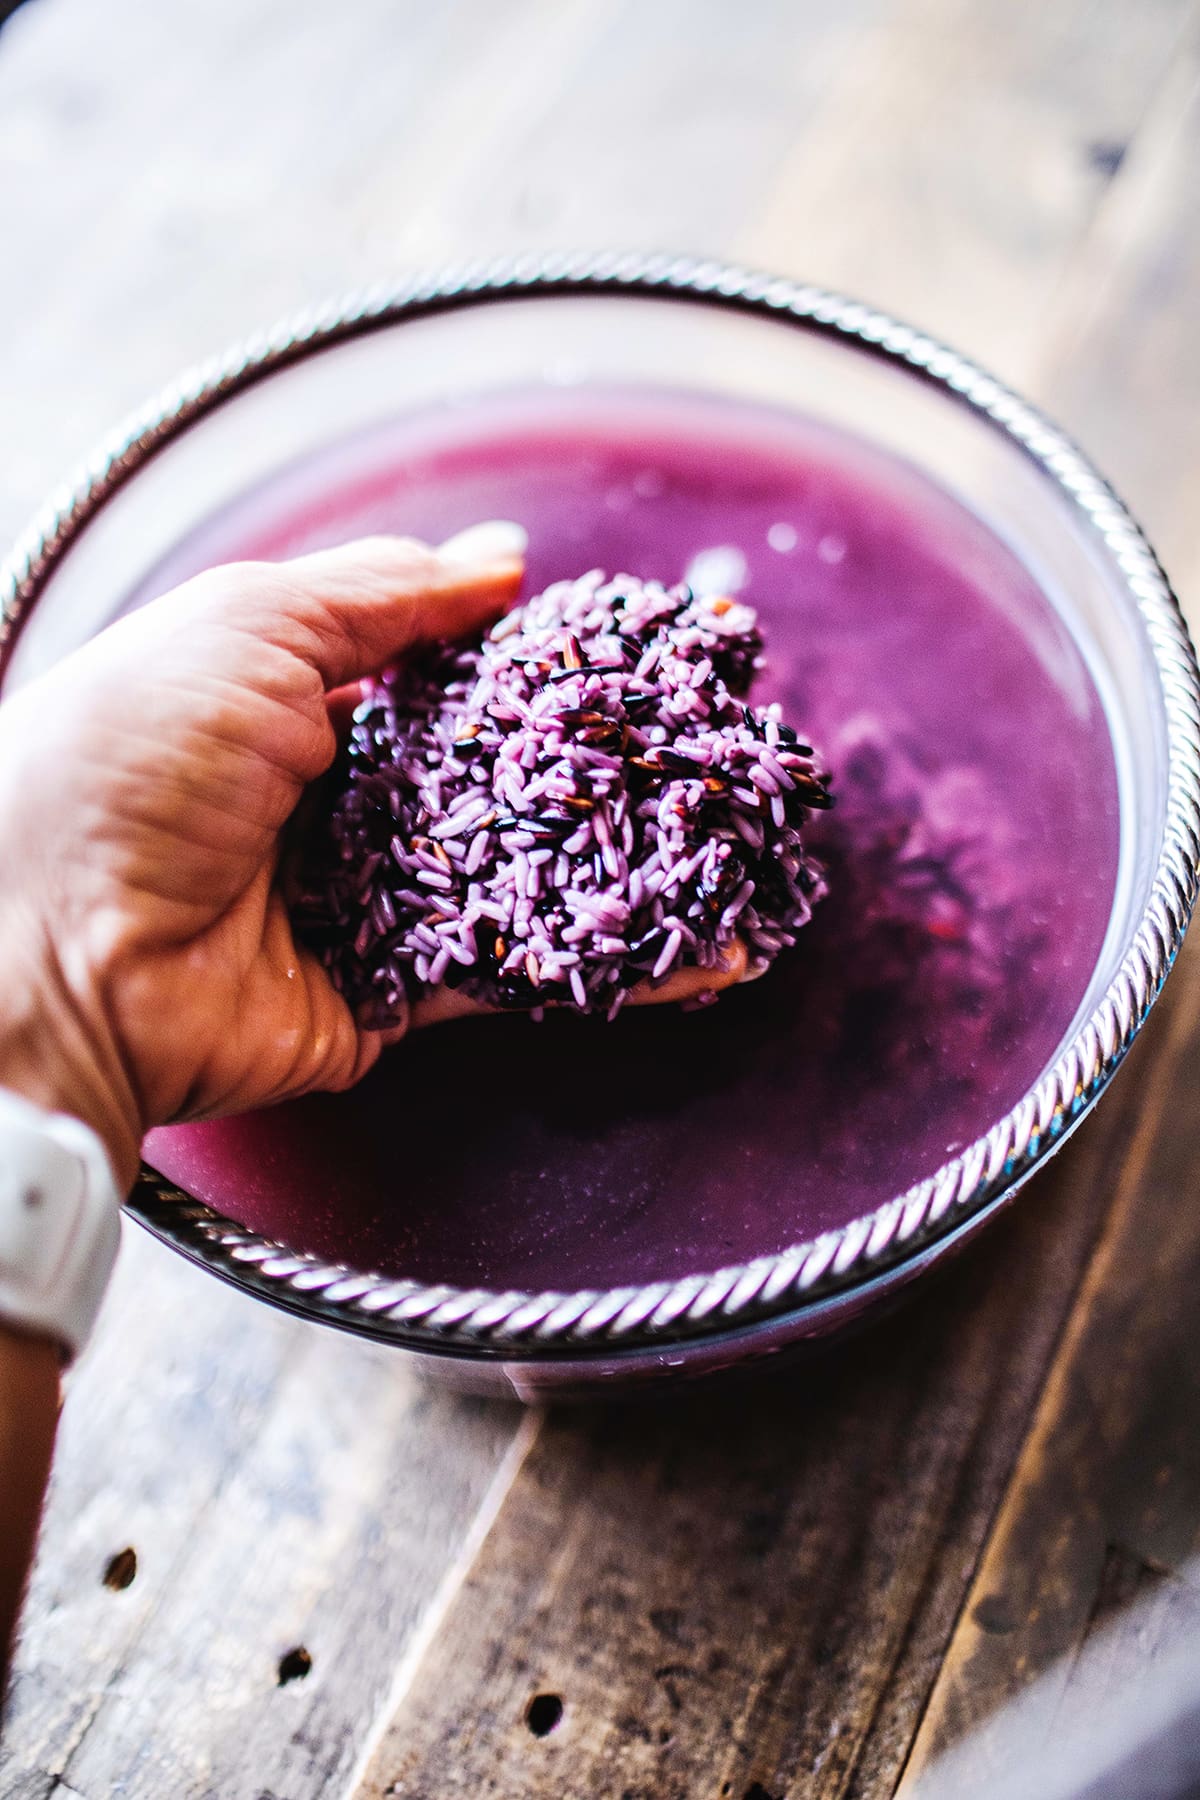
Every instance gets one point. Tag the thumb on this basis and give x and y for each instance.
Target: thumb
(351, 610)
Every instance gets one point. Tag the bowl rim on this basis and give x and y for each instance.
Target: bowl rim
(515, 1325)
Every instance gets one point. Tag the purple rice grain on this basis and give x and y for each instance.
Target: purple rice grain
(581, 802)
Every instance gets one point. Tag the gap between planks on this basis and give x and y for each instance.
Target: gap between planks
(1156, 162)
(523, 1440)
(1021, 1651)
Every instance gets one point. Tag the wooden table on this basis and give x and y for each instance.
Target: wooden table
(274, 1565)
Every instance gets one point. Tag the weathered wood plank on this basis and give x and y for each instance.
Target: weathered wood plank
(660, 130)
(1109, 1484)
(171, 178)
(963, 155)
(177, 1666)
(1131, 296)
(1105, 1503)
(1126, 1720)
(155, 1415)
(332, 147)
(281, 1487)
(818, 1536)
(1133, 282)
(757, 1586)
(191, 1418)
(308, 1582)
(833, 1631)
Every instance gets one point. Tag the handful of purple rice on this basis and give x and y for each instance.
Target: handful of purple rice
(579, 803)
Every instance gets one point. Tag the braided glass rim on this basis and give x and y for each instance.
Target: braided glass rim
(514, 1324)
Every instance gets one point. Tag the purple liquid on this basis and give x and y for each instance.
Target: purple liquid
(972, 860)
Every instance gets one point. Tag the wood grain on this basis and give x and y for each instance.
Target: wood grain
(282, 1488)
(752, 1593)
(1133, 397)
(260, 1524)
(759, 1586)
(954, 172)
(829, 1662)
(657, 129)
(1104, 1507)
(173, 177)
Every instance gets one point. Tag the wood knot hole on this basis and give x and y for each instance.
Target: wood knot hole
(294, 1666)
(121, 1569)
(543, 1713)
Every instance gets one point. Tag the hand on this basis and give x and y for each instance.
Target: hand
(144, 783)
(150, 969)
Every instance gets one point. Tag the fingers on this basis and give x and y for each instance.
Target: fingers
(351, 610)
(686, 983)
(441, 1004)
(342, 704)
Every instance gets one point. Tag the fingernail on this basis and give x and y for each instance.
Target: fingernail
(493, 541)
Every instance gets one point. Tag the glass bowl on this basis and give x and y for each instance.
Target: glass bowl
(150, 507)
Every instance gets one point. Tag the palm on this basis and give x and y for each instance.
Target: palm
(151, 776)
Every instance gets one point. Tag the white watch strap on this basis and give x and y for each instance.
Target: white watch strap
(59, 1222)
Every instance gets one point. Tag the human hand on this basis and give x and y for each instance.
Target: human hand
(150, 966)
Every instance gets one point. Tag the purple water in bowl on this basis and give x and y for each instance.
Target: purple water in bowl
(972, 860)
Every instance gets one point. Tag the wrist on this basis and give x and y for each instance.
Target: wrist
(51, 1057)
